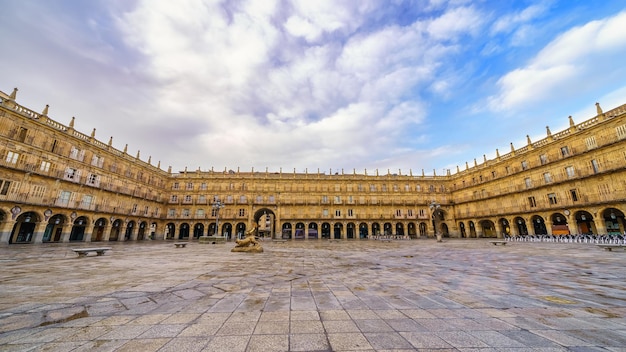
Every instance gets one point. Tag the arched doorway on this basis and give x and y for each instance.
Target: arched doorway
(115, 230)
(198, 230)
(462, 229)
(337, 230)
(54, 229)
(170, 231)
(363, 230)
(98, 230)
(387, 229)
(299, 234)
(77, 233)
(326, 230)
(141, 234)
(559, 225)
(505, 227)
(24, 227)
(522, 230)
(488, 229)
(350, 230)
(584, 221)
(399, 229)
(130, 227)
(265, 222)
(376, 229)
(411, 231)
(539, 225)
(240, 230)
(472, 230)
(286, 231)
(313, 230)
(227, 230)
(613, 221)
(422, 227)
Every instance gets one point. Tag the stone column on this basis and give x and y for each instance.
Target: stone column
(88, 232)
(40, 229)
(6, 228)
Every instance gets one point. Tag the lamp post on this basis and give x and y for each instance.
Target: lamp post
(434, 208)
(217, 205)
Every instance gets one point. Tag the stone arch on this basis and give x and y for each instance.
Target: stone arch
(488, 229)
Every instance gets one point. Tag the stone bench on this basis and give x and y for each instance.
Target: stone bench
(496, 243)
(82, 252)
(180, 244)
(609, 247)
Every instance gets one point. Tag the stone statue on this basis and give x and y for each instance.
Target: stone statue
(248, 244)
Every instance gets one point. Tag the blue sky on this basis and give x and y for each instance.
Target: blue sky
(328, 85)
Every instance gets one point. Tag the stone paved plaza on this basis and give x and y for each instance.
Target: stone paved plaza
(459, 295)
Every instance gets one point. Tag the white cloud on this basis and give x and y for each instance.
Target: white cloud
(581, 57)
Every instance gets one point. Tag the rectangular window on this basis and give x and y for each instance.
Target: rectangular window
(570, 171)
(507, 170)
(532, 202)
(384, 188)
(337, 213)
(259, 199)
(409, 212)
(528, 182)
(543, 158)
(188, 199)
(4, 187)
(324, 199)
(325, 213)
(398, 212)
(552, 198)
(199, 213)
(594, 166)
(242, 199)
(620, 131)
(564, 151)
(171, 213)
(93, 180)
(134, 209)
(372, 188)
(547, 178)
(359, 187)
(242, 212)
(591, 142)
(70, 173)
(64, 197)
(189, 185)
(97, 161)
(186, 213)
(337, 199)
(12, 157)
(22, 134)
(350, 212)
(175, 185)
(524, 165)
(45, 166)
(174, 199)
(202, 199)
(574, 194)
(203, 186)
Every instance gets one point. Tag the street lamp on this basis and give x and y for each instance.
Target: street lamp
(217, 205)
(434, 207)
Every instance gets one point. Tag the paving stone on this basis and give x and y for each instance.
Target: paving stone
(460, 295)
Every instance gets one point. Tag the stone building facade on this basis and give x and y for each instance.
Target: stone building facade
(60, 185)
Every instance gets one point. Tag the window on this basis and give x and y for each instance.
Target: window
(507, 170)
(242, 212)
(64, 197)
(372, 188)
(189, 185)
(418, 188)
(621, 132)
(259, 199)
(199, 213)
(171, 213)
(337, 199)
(524, 165)
(188, 199)
(384, 188)
(398, 212)
(4, 187)
(570, 171)
(552, 198)
(145, 210)
(337, 213)
(175, 185)
(547, 178)
(337, 188)
(134, 209)
(564, 151)
(202, 199)
(45, 166)
(97, 161)
(203, 186)
(591, 142)
(409, 212)
(174, 199)
(543, 158)
(407, 188)
(594, 166)
(359, 187)
(350, 212)
(186, 213)
(324, 199)
(325, 213)
(21, 136)
(77, 154)
(493, 174)
(93, 180)
(12, 157)
(242, 199)
(422, 213)
(574, 194)
(532, 202)
(528, 182)
(71, 174)
(395, 188)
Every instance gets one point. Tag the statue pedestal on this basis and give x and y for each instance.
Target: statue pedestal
(212, 239)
